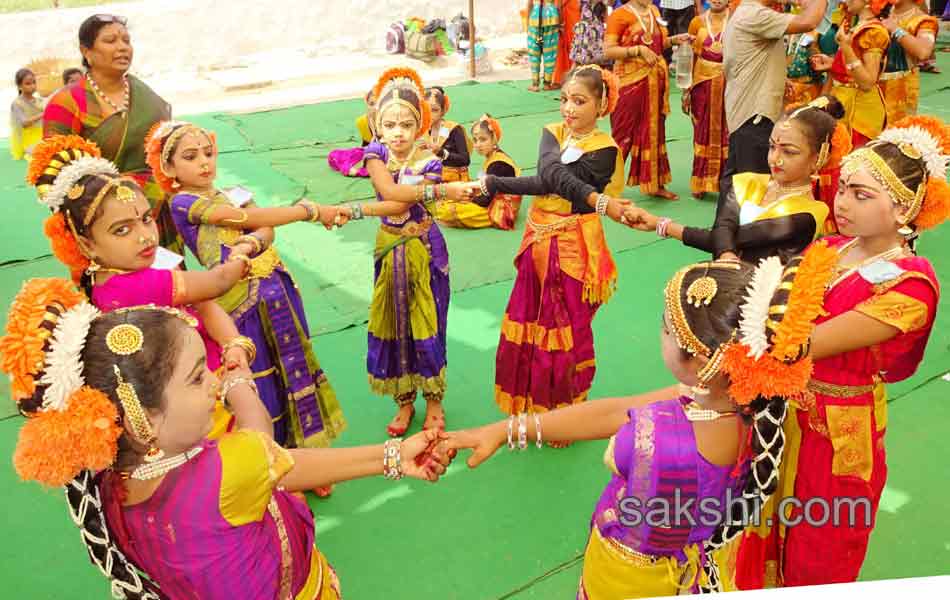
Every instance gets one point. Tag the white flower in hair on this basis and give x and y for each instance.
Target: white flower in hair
(63, 373)
(923, 142)
(755, 307)
(166, 128)
(71, 174)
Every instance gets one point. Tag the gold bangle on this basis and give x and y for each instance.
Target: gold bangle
(244, 343)
(247, 263)
(253, 241)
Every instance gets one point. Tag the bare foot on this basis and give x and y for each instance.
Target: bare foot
(400, 423)
(550, 87)
(666, 194)
(534, 88)
(435, 416)
(699, 195)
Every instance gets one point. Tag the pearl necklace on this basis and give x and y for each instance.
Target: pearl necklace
(154, 470)
(125, 101)
(696, 413)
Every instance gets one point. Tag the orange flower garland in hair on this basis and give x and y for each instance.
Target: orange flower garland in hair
(612, 82)
(21, 349)
(936, 206)
(773, 373)
(493, 124)
(65, 246)
(840, 146)
(805, 302)
(153, 157)
(53, 445)
(406, 73)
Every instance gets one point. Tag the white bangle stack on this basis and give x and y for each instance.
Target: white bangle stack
(602, 201)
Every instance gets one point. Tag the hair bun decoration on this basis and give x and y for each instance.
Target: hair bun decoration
(922, 137)
(760, 364)
(59, 162)
(74, 427)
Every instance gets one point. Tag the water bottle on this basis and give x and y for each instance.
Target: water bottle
(684, 66)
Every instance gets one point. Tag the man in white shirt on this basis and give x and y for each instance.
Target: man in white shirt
(754, 64)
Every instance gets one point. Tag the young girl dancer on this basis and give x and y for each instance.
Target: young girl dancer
(409, 310)
(119, 407)
(876, 320)
(446, 139)
(266, 307)
(717, 444)
(500, 210)
(545, 357)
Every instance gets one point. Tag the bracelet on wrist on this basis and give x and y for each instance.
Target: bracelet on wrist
(230, 384)
(392, 459)
(244, 343)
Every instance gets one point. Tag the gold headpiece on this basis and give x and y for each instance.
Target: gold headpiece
(122, 192)
(699, 293)
(702, 291)
(125, 339)
(173, 138)
(132, 408)
(909, 200)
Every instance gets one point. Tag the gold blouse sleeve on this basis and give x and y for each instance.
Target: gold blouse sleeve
(252, 464)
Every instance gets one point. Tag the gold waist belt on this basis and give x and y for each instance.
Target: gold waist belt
(541, 231)
(897, 74)
(409, 229)
(839, 391)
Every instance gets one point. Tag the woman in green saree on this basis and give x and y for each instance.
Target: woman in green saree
(113, 109)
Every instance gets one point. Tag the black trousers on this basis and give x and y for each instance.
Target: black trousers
(749, 148)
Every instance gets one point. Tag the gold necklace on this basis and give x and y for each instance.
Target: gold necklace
(902, 16)
(573, 139)
(644, 37)
(844, 271)
(395, 164)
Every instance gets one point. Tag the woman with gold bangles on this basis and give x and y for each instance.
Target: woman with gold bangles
(877, 318)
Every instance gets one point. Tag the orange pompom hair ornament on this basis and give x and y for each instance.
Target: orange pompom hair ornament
(928, 137)
(69, 427)
(493, 125)
(404, 77)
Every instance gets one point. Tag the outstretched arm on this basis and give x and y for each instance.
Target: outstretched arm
(316, 467)
(593, 420)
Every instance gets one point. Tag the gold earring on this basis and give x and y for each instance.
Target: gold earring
(175, 184)
(154, 453)
(93, 267)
